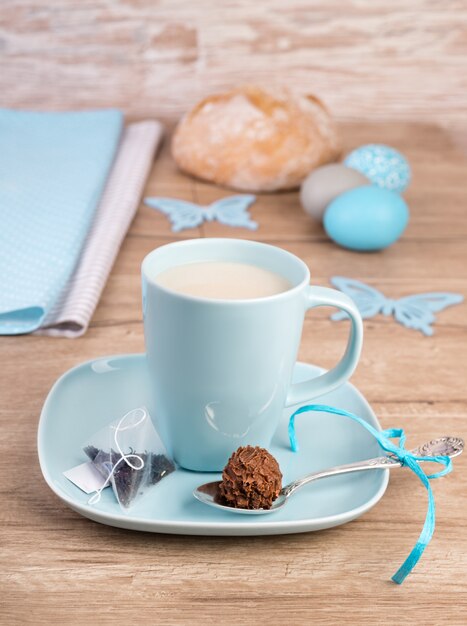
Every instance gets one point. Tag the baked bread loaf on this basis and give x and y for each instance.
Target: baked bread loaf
(255, 140)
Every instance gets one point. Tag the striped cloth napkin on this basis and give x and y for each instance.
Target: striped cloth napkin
(70, 184)
(71, 314)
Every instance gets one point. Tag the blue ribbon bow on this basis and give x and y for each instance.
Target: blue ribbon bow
(408, 459)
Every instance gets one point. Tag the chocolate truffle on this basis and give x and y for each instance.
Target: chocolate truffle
(252, 479)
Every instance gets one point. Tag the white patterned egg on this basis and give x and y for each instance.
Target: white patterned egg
(382, 165)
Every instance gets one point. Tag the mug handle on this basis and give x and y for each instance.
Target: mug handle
(306, 391)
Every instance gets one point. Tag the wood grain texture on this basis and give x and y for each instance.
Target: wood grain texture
(368, 59)
(59, 568)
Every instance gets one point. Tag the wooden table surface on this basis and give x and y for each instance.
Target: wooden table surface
(59, 568)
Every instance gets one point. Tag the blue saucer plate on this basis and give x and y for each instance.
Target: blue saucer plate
(95, 393)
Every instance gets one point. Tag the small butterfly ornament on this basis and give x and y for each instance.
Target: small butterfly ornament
(230, 211)
(415, 311)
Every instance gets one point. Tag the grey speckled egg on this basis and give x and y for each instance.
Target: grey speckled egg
(325, 183)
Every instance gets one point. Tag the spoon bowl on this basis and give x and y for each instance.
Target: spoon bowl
(443, 446)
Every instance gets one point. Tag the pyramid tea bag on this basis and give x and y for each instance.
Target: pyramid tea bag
(130, 455)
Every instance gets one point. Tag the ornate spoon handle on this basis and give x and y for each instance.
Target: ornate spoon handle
(381, 462)
(448, 446)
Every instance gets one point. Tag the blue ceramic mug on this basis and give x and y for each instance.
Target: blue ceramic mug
(220, 370)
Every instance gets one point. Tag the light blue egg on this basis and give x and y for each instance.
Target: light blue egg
(366, 218)
(381, 164)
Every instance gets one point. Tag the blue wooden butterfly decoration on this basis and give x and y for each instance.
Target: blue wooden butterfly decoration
(415, 311)
(230, 211)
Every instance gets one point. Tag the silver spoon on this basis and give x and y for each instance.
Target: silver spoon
(444, 446)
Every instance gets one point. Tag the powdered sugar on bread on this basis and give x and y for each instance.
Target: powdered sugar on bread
(253, 139)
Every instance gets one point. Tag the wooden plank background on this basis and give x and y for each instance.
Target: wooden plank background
(368, 59)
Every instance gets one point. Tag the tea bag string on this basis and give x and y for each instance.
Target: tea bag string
(406, 458)
(123, 457)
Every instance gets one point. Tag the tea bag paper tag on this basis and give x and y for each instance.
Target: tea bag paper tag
(86, 477)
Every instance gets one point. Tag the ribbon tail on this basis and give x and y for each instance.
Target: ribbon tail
(423, 540)
(407, 458)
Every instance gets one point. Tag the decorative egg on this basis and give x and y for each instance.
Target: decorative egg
(324, 184)
(382, 165)
(366, 218)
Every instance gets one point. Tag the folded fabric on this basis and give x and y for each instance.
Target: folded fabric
(71, 313)
(53, 168)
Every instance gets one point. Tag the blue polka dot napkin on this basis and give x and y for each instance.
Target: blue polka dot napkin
(53, 168)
